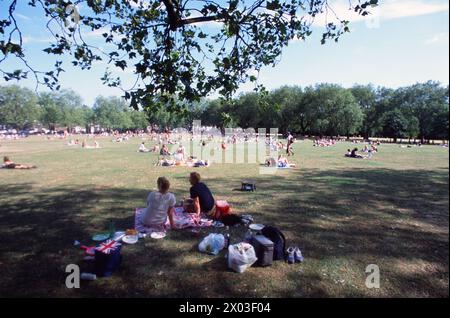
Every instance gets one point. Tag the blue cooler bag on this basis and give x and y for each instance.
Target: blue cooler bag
(107, 258)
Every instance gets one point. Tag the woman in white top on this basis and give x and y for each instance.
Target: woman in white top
(160, 205)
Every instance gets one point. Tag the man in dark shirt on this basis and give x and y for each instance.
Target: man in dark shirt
(200, 193)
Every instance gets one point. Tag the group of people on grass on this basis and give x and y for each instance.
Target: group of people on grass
(280, 162)
(370, 149)
(161, 203)
(84, 144)
(177, 158)
(324, 142)
(143, 148)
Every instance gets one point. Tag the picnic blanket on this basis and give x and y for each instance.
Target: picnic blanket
(181, 219)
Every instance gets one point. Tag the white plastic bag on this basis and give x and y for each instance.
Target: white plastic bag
(241, 256)
(212, 244)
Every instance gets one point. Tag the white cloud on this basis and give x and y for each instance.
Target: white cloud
(439, 38)
(23, 17)
(137, 3)
(30, 39)
(386, 10)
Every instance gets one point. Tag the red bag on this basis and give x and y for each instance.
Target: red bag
(222, 209)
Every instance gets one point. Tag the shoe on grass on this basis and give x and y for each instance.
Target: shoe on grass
(298, 255)
(290, 257)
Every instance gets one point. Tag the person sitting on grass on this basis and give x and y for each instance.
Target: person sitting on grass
(349, 153)
(271, 162)
(181, 153)
(160, 205)
(201, 195)
(164, 151)
(9, 164)
(354, 154)
(282, 162)
(155, 148)
(142, 148)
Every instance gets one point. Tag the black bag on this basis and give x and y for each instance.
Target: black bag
(278, 239)
(231, 219)
(106, 264)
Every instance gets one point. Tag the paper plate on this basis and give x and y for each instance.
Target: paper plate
(118, 234)
(158, 235)
(256, 227)
(100, 237)
(130, 239)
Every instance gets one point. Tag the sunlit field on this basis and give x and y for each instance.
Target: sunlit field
(344, 214)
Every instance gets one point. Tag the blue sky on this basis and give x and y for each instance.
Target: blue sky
(404, 42)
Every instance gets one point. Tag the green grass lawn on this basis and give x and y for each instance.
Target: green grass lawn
(343, 213)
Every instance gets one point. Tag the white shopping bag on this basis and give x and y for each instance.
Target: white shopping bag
(241, 256)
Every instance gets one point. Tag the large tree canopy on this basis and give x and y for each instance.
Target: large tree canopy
(167, 44)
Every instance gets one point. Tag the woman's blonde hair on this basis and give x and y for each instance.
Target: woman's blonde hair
(163, 184)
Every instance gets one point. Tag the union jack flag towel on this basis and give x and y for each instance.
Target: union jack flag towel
(108, 246)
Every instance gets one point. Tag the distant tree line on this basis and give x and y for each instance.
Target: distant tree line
(21, 108)
(418, 111)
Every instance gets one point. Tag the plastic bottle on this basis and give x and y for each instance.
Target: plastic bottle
(248, 236)
(112, 229)
(227, 240)
(88, 276)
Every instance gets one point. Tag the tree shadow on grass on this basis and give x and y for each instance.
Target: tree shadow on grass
(388, 217)
(369, 216)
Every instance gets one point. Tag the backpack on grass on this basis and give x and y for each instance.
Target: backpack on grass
(278, 239)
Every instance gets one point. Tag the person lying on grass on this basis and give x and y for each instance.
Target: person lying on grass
(9, 164)
(86, 146)
(202, 197)
(160, 206)
(164, 162)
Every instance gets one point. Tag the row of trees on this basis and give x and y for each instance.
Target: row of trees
(21, 108)
(417, 111)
